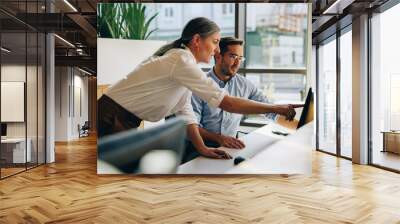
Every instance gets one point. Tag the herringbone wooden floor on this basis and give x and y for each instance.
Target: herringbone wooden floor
(69, 191)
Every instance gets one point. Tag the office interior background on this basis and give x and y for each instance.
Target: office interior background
(48, 73)
(275, 48)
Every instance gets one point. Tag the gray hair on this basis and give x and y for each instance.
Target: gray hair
(200, 25)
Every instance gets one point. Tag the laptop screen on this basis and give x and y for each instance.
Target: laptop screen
(307, 115)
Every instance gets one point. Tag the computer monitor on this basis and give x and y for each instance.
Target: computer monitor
(127, 150)
(3, 129)
(307, 115)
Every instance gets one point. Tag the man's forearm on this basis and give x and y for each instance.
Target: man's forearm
(194, 136)
(209, 136)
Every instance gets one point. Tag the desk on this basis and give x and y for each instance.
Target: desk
(13, 150)
(265, 153)
(391, 141)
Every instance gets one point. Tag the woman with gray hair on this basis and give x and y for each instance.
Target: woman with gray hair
(163, 84)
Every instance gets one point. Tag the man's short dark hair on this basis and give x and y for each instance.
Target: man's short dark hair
(227, 41)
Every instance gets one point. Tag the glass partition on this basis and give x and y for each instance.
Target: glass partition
(346, 94)
(385, 89)
(22, 87)
(326, 100)
(14, 153)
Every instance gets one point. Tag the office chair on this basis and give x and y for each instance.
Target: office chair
(84, 130)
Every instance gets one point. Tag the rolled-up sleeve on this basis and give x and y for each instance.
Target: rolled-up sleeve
(197, 105)
(186, 113)
(187, 73)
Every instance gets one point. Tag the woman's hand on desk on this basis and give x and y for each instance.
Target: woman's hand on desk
(230, 142)
(215, 153)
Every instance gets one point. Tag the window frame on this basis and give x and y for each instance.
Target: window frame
(242, 35)
(240, 15)
(334, 37)
(381, 9)
(28, 29)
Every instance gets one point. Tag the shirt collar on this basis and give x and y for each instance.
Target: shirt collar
(184, 47)
(217, 80)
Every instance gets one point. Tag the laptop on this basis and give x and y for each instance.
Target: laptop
(307, 115)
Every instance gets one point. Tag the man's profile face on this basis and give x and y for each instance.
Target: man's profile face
(230, 61)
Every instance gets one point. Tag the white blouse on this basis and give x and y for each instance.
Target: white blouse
(161, 86)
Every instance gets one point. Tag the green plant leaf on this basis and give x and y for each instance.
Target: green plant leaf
(124, 20)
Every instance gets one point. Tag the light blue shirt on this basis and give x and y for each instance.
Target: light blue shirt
(222, 122)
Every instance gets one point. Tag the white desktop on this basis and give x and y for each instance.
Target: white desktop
(265, 153)
(16, 146)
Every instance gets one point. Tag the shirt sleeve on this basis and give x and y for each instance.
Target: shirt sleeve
(186, 113)
(257, 95)
(197, 105)
(187, 73)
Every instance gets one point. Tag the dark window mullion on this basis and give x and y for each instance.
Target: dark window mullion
(0, 94)
(317, 95)
(37, 91)
(26, 87)
(338, 97)
(274, 71)
(369, 77)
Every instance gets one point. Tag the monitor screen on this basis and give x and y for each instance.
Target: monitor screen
(307, 115)
(3, 129)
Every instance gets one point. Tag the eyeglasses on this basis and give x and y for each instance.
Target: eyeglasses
(237, 57)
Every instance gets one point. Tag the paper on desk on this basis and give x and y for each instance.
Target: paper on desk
(255, 142)
(290, 156)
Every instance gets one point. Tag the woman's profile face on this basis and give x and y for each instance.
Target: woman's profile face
(208, 46)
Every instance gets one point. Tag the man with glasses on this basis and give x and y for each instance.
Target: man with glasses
(218, 127)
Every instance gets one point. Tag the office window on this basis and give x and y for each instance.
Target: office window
(171, 28)
(385, 84)
(326, 101)
(13, 80)
(166, 12)
(280, 88)
(275, 38)
(224, 9)
(180, 14)
(276, 35)
(23, 89)
(346, 94)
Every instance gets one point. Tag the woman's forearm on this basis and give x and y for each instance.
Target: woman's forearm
(244, 106)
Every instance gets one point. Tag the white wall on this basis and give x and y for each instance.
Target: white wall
(116, 57)
(79, 117)
(61, 103)
(70, 83)
(14, 73)
(33, 125)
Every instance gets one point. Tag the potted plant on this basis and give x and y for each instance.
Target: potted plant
(124, 21)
